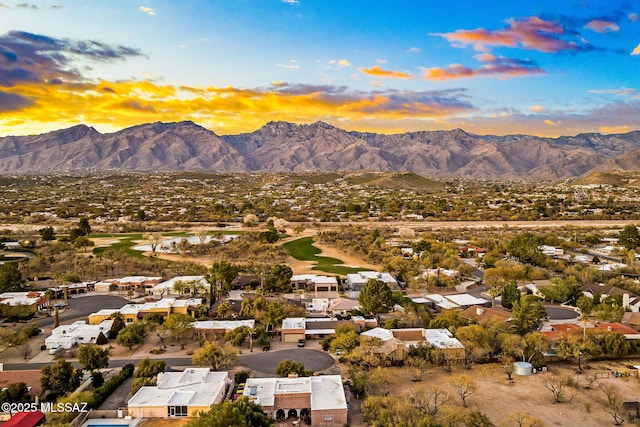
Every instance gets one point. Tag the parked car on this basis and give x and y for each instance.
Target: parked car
(300, 343)
(54, 350)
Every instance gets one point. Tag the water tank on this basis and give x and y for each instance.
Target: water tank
(522, 368)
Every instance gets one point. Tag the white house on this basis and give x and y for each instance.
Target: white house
(355, 281)
(180, 394)
(67, 336)
(31, 298)
(321, 398)
(167, 287)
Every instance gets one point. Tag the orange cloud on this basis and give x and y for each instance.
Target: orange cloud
(493, 66)
(602, 26)
(110, 106)
(532, 33)
(379, 72)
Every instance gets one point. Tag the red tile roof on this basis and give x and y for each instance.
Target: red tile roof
(25, 419)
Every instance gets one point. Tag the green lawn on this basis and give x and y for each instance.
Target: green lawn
(302, 249)
(125, 244)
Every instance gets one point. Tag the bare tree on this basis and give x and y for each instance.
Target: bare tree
(521, 419)
(154, 240)
(428, 400)
(465, 387)
(557, 385)
(613, 405)
(507, 365)
(417, 367)
(25, 350)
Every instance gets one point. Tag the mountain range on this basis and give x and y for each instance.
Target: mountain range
(287, 147)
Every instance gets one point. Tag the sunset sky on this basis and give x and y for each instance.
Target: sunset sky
(546, 68)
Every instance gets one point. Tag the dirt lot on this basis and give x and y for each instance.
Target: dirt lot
(497, 397)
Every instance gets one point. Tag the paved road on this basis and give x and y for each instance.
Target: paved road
(558, 313)
(267, 362)
(113, 363)
(82, 306)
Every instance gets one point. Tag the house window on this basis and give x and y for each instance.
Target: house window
(177, 411)
(327, 418)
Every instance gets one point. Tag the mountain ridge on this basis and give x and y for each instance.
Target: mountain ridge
(280, 146)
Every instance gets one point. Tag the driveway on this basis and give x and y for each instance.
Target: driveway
(267, 362)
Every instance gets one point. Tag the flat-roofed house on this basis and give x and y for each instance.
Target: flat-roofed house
(180, 394)
(398, 342)
(355, 281)
(79, 332)
(133, 312)
(36, 299)
(321, 286)
(168, 286)
(321, 398)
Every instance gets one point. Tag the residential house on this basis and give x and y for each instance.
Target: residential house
(168, 286)
(221, 327)
(300, 328)
(355, 281)
(322, 398)
(398, 342)
(321, 286)
(241, 282)
(36, 299)
(30, 377)
(486, 314)
(455, 301)
(79, 332)
(180, 394)
(133, 312)
(342, 306)
(140, 283)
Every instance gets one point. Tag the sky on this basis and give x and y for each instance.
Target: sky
(500, 67)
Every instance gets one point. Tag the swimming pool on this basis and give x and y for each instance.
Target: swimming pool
(110, 422)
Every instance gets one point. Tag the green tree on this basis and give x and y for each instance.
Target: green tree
(375, 297)
(15, 392)
(629, 237)
(82, 242)
(60, 378)
(241, 377)
(11, 278)
(585, 304)
(526, 314)
(84, 225)
(93, 357)
(149, 369)
(616, 345)
(47, 233)
(216, 356)
(510, 294)
(279, 279)
(116, 326)
(289, 366)
(578, 347)
(220, 277)
(224, 308)
(129, 337)
(525, 248)
(242, 413)
(180, 325)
